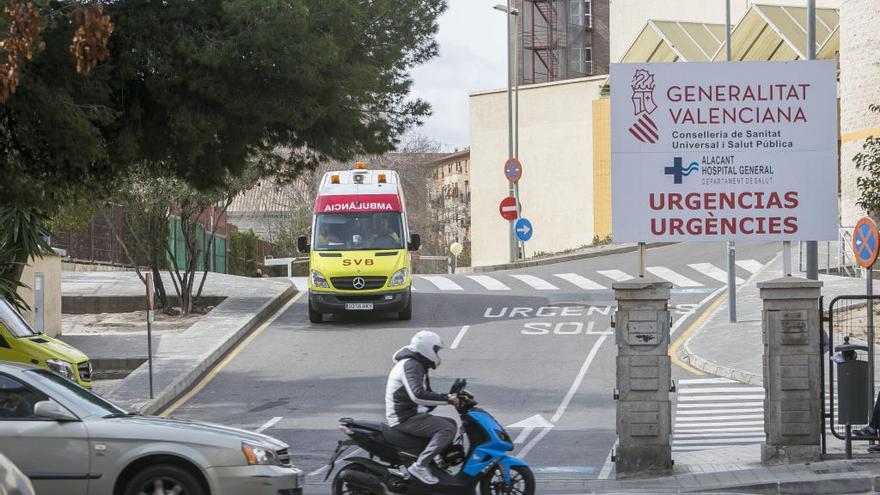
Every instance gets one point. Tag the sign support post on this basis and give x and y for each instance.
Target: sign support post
(869, 286)
(642, 260)
(731, 245)
(150, 313)
(812, 246)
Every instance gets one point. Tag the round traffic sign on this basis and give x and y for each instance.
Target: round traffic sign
(866, 242)
(523, 229)
(513, 170)
(508, 208)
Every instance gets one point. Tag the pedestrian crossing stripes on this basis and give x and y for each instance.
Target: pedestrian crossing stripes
(717, 412)
(691, 277)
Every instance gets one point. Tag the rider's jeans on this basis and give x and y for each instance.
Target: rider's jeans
(440, 430)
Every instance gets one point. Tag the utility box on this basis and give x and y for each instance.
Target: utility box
(792, 370)
(644, 410)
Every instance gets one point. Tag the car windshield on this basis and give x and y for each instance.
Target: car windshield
(86, 402)
(358, 231)
(13, 321)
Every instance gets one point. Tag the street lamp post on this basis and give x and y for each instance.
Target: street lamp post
(512, 189)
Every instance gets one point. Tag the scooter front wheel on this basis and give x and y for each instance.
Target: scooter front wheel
(522, 482)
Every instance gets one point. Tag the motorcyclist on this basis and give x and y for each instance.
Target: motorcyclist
(409, 400)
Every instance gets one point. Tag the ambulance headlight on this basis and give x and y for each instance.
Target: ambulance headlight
(318, 280)
(399, 277)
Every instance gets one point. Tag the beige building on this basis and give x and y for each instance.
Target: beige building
(42, 278)
(450, 197)
(564, 126)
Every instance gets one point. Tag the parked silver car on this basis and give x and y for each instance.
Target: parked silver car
(70, 441)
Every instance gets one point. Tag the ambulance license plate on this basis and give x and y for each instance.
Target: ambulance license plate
(358, 306)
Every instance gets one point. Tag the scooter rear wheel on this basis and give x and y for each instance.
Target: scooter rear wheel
(341, 487)
(522, 482)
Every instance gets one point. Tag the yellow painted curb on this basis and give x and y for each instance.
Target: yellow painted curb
(692, 329)
(198, 387)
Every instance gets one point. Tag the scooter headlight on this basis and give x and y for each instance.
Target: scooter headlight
(399, 277)
(318, 280)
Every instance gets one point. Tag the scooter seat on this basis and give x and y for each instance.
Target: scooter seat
(365, 424)
(403, 440)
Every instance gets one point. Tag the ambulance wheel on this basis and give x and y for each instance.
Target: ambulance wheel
(406, 314)
(315, 316)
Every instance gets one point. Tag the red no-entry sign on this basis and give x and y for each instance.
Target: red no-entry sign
(508, 208)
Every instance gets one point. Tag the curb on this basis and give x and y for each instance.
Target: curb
(862, 484)
(181, 385)
(560, 259)
(686, 355)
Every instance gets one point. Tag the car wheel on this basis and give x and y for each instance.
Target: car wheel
(315, 316)
(162, 479)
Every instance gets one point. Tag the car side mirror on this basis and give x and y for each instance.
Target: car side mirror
(415, 242)
(302, 244)
(49, 409)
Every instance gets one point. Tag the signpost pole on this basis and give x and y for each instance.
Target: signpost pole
(731, 246)
(150, 328)
(812, 246)
(786, 258)
(641, 260)
(510, 152)
(869, 283)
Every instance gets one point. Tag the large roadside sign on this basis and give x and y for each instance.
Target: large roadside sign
(724, 151)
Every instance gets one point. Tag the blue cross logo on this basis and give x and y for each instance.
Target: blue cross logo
(677, 171)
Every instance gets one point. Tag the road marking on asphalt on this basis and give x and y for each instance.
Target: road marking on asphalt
(705, 425)
(709, 429)
(724, 441)
(461, 334)
(346, 456)
(715, 390)
(694, 398)
(706, 381)
(268, 424)
(201, 384)
(582, 282)
(710, 270)
(707, 406)
(753, 266)
(616, 275)
(695, 326)
(676, 278)
(605, 473)
(575, 386)
(535, 282)
(732, 409)
(488, 282)
(442, 283)
(715, 417)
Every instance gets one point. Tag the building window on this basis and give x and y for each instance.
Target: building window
(588, 14)
(575, 12)
(466, 166)
(450, 168)
(458, 166)
(588, 60)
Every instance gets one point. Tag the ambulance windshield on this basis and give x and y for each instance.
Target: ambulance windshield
(358, 231)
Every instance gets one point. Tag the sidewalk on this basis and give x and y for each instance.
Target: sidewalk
(580, 254)
(856, 476)
(179, 359)
(735, 350)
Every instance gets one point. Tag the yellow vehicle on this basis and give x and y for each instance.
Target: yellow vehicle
(20, 343)
(359, 257)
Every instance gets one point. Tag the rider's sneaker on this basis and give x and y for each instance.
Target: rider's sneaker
(423, 474)
(868, 431)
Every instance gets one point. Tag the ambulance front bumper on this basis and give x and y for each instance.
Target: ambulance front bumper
(329, 302)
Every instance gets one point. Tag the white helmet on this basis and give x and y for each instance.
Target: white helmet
(428, 344)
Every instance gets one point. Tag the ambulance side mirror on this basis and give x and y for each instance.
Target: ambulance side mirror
(415, 242)
(302, 244)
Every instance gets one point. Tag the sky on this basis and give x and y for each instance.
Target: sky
(473, 56)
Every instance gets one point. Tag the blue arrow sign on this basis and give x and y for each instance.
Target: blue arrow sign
(523, 229)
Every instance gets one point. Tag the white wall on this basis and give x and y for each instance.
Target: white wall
(628, 17)
(556, 149)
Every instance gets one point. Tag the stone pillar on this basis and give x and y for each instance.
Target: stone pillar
(792, 406)
(644, 412)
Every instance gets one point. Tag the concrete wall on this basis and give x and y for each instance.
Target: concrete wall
(556, 149)
(859, 87)
(628, 17)
(50, 267)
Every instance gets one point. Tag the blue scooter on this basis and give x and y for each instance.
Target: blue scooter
(486, 463)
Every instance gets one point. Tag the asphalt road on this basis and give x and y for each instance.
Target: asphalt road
(541, 346)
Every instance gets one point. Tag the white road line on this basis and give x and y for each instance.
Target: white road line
(575, 386)
(268, 424)
(719, 406)
(582, 282)
(719, 430)
(616, 275)
(714, 390)
(442, 283)
(716, 411)
(707, 381)
(695, 398)
(535, 282)
(753, 266)
(321, 470)
(605, 473)
(715, 418)
(488, 282)
(728, 423)
(676, 278)
(461, 334)
(710, 270)
(744, 434)
(707, 441)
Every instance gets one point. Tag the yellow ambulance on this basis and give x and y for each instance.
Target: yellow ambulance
(359, 257)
